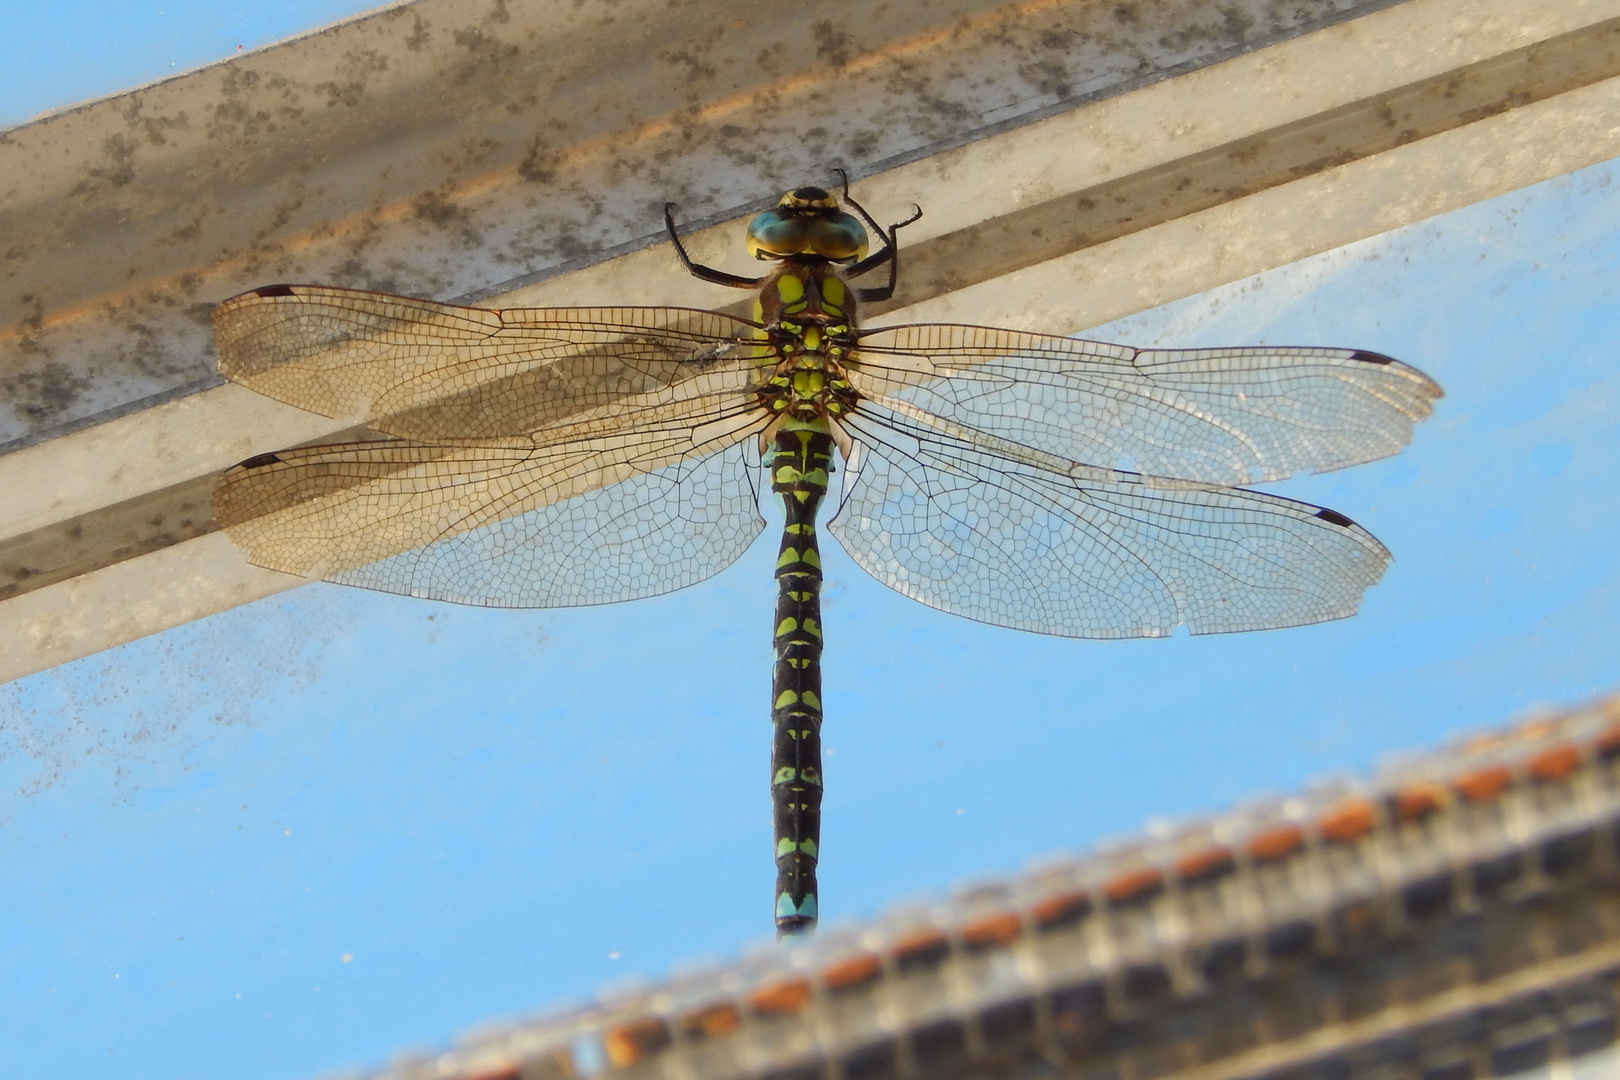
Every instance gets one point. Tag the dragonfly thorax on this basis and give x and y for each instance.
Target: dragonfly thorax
(808, 386)
(806, 292)
(807, 313)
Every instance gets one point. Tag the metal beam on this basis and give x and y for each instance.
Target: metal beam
(1054, 223)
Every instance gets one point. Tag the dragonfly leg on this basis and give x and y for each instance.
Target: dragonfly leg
(890, 252)
(697, 269)
(799, 469)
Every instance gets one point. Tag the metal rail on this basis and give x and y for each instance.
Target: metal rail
(1456, 917)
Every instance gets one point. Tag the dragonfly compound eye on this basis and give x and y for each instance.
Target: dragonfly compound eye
(838, 236)
(806, 222)
(778, 233)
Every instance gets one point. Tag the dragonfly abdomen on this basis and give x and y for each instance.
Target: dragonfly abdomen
(799, 471)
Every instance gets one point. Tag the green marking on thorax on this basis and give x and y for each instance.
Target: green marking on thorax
(832, 295)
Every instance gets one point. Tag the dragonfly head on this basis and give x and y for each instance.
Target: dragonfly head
(807, 222)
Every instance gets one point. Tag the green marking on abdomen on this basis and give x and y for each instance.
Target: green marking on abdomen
(799, 471)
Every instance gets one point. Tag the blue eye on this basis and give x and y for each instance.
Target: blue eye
(838, 236)
(777, 233)
(798, 227)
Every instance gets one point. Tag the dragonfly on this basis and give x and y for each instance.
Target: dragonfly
(550, 457)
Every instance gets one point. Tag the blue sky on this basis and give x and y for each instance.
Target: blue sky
(67, 51)
(308, 832)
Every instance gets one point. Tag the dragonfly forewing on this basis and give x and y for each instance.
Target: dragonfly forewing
(1219, 416)
(430, 371)
(1086, 552)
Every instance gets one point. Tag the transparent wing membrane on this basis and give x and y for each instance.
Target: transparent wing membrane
(650, 534)
(589, 519)
(546, 457)
(1034, 543)
(1216, 416)
(434, 372)
(565, 456)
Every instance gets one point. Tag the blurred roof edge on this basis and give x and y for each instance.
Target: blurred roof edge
(1458, 911)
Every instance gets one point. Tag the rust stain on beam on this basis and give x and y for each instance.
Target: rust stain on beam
(112, 534)
(103, 537)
